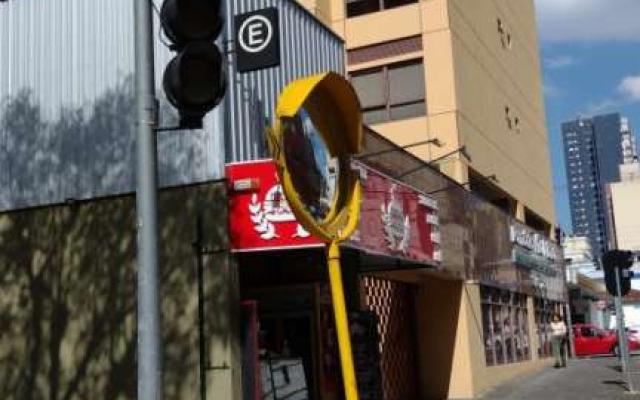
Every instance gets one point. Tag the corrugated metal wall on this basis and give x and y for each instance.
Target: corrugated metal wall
(306, 47)
(67, 100)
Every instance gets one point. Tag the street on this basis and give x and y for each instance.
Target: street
(584, 379)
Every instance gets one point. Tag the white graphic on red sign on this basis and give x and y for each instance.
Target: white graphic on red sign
(274, 209)
(397, 227)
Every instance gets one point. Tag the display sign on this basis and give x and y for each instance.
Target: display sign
(533, 241)
(259, 215)
(396, 220)
(533, 251)
(526, 259)
(257, 40)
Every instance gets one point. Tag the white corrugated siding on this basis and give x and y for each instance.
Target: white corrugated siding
(72, 135)
(306, 48)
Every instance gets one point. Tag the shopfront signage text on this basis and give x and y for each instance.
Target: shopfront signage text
(534, 242)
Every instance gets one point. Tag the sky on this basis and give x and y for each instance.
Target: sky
(590, 55)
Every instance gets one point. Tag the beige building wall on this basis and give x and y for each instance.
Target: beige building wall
(451, 351)
(471, 377)
(625, 198)
(483, 88)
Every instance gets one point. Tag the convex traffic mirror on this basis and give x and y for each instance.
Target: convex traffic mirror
(318, 129)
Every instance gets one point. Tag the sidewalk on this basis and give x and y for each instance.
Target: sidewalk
(583, 379)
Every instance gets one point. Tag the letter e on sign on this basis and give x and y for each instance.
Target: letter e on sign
(257, 37)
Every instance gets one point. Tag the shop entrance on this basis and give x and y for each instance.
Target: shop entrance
(297, 351)
(392, 302)
(285, 332)
(286, 356)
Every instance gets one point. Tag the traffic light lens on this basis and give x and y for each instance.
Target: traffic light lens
(189, 20)
(194, 80)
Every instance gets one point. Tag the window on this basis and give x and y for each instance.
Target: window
(588, 331)
(544, 311)
(505, 326)
(361, 7)
(391, 92)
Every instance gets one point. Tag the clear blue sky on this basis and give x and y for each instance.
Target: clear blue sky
(590, 52)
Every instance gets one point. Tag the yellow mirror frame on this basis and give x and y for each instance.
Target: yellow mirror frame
(334, 107)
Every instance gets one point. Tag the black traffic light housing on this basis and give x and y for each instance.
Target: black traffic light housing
(195, 79)
(621, 260)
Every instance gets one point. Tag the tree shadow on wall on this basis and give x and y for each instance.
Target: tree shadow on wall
(88, 151)
(67, 272)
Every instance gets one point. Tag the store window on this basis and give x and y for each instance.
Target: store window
(505, 326)
(391, 92)
(361, 7)
(544, 311)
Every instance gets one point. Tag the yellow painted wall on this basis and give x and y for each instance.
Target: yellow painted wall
(399, 22)
(488, 78)
(69, 292)
(471, 357)
(437, 305)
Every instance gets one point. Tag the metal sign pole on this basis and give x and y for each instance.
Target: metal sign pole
(342, 324)
(623, 344)
(149, 345)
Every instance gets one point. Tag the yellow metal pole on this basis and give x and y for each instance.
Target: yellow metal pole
(342, 325)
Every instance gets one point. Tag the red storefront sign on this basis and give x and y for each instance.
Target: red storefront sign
(396, 220)
(259, 216)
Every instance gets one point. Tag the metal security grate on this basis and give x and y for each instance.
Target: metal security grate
(393, 303)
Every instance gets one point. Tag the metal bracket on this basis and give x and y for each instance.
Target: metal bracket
(168, 128)
(222, 367)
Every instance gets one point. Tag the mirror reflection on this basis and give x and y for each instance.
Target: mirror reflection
(314, 172)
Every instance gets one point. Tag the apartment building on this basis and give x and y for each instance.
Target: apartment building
(466, 73)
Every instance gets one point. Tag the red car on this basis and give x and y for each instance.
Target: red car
(590, 340)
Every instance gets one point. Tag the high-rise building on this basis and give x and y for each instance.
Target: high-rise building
(623, 199)
(593, 152)
(464, 72)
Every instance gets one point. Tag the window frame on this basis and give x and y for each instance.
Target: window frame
(388, 107)
(382, 6)
(507, 339)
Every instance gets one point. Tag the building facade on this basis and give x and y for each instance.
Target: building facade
(579, 257)
(67, 177)
(623, 198)
(465, 74)
(456, 301)
(592, 150)
(465, 306)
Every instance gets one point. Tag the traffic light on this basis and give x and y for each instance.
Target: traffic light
(195, 79)
(621, 260)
